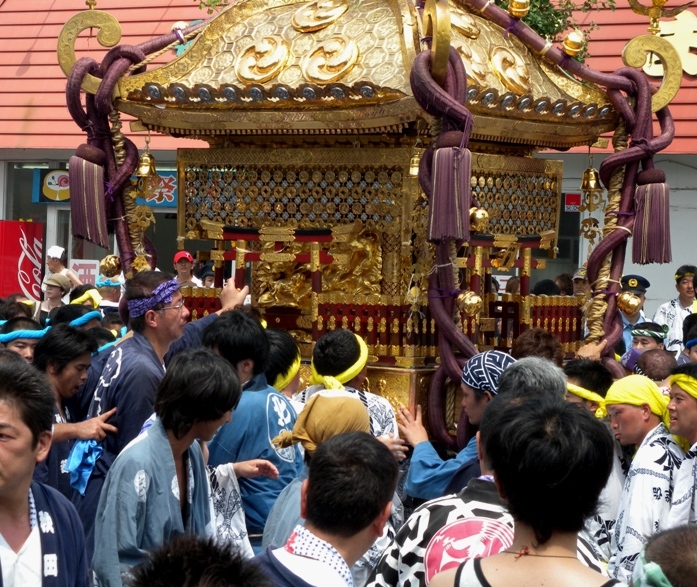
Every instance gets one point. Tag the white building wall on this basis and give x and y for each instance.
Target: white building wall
(681, 173)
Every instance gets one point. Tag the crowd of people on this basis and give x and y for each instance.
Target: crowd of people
(139, 448)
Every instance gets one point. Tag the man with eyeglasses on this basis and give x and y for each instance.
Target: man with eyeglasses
(131, 375)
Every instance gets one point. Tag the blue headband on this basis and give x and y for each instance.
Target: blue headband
(690, 343)
(106, 282)
(33, 334)
(482, 371)
(82, 320)
(162, 294)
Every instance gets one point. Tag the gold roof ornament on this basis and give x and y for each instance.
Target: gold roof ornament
(342, 67)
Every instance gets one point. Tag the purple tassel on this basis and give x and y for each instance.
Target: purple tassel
(87, 203)
(651, 242)
(451, 198)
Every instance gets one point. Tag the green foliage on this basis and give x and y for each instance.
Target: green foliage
(212, 5)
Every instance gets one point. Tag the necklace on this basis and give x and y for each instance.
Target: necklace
(525, 551)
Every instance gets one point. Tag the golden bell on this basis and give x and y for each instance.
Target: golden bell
(574, 43)
(414, 295)
(590, 182)
(146, 166)
(414, 164)
(469, 303)
(518, 8)
(479, 219)
(628, 303)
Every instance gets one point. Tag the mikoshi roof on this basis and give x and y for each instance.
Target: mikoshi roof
(342, 67)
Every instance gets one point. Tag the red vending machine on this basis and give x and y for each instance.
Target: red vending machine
(21, 258)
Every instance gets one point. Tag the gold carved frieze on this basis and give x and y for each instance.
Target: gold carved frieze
(283, 45)
(330, 60)
(263, 60)
(508, 65)
(314, 16)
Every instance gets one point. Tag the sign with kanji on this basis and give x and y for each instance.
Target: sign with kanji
(87, 270)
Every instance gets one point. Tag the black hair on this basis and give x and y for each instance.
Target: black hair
(283, 352)
(565, 283)
(675, 551)
(546, 287)
(688, 324)
(19, 323)
(80, 290)
(335, 352)
(197, 561)
(10, 309)
(29, 392)
(10, 357)
(692, 334)
(237, 336)
(538, 342)
(490, 419)
(60, 345)
(141, 285)
(685, 269)
(591, 375)
(101, 336)
(689, 369)
(112, 319)
(67, 313)
(199, 386)
(352, 479)
(552, 460)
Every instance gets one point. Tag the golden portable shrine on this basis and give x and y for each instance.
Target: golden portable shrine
(371, 163)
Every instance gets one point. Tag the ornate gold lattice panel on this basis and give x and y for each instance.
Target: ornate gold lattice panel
(308, 188)
(522, 195)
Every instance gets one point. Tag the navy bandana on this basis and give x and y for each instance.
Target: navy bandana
(482, 371)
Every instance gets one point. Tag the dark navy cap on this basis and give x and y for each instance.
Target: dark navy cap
(635, 284)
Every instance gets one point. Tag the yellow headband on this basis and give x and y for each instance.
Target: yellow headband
(282, 381)
(637, 390)
(337, 381)
(90, 294)
(591, 396)
(686, 383)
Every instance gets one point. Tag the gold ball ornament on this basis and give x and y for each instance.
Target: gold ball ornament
(414, 295)
(479, 219)
(469, 303)
(110, 266)
(574, 43)
(628, 302)
(518, 8)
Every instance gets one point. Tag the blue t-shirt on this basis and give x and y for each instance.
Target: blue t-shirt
(261, 415)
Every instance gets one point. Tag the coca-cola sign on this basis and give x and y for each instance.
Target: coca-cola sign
(21, 247)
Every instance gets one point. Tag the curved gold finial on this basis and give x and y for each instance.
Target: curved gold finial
(109, 34)
(656, 12)
(436, 20)
(634, 55)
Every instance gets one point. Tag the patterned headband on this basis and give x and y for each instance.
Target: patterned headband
(651, 332)
(482, 371)
(162, 294)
